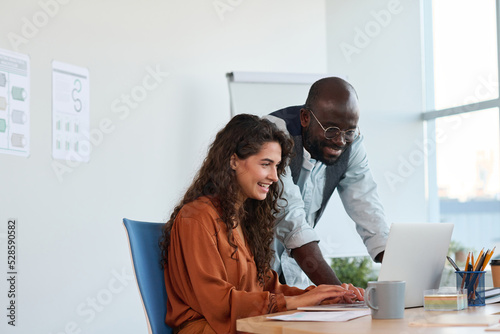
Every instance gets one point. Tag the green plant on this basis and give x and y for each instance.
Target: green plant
(355, 270)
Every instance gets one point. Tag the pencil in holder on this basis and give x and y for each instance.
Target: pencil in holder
(473, 281)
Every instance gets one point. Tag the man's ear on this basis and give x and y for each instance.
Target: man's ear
(233, 162)
(305, 117)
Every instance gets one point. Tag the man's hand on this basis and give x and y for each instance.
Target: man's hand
(312, 262)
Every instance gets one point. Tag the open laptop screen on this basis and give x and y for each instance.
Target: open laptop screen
(416, 253)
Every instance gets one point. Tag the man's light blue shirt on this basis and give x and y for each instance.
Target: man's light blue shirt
(312, 174)
(295, 221)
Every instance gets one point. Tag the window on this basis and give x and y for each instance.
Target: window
(463, 120)
(465, 52)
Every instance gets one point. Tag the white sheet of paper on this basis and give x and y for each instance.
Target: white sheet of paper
(321, 316)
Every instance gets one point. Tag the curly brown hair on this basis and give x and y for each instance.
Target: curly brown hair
(244, 136)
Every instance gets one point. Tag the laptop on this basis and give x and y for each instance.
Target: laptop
(416, 253)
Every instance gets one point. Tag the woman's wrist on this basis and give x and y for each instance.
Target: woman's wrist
(290, 303)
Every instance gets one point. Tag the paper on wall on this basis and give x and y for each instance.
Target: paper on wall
(70, 112)
(14, 103)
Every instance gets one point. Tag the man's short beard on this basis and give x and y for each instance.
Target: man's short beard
(315, 148)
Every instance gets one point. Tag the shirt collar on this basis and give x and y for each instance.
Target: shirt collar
(308, 162)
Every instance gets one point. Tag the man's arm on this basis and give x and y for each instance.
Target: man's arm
(380, 257)
(312, 262)
(358, 192)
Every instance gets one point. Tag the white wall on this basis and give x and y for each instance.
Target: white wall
(71, 244)
(377, 45)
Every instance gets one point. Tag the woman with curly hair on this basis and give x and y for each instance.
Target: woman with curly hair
(216, 246)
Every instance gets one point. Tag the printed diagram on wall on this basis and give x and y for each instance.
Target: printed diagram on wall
(70, 112)
(14, 103)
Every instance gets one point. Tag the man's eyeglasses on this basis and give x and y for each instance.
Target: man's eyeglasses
(334, 132)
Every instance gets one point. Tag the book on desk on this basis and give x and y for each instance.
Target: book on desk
(492, 295)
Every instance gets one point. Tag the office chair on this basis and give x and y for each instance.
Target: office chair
(143, 240)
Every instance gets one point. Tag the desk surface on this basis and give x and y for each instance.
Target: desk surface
(261, 324)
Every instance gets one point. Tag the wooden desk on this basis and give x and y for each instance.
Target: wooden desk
(365, 324)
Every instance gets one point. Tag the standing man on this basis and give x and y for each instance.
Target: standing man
(329, 155)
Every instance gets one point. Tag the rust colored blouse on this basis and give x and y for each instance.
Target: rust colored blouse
(204, 281)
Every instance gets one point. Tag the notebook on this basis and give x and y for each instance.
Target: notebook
(335, 307)
(416, 253)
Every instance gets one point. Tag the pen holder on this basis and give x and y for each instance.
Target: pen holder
(473, 281)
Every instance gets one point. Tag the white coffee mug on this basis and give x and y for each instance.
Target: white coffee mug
(386, 299)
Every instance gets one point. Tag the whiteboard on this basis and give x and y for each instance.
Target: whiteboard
(260, 93)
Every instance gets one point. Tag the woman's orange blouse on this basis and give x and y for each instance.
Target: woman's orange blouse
(204, 279)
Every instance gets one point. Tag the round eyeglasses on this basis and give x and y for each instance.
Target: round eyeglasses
(334, 132)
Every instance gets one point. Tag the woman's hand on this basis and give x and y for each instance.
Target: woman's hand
(322, 293)
(359, 293)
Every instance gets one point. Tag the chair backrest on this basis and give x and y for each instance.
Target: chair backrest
(143, 240)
